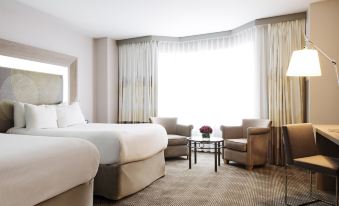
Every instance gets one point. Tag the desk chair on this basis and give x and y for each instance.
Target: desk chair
(301, 151)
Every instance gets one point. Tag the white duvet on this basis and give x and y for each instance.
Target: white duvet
(117, 143)
(34, 169)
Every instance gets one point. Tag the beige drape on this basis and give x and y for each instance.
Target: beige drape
(286, 95)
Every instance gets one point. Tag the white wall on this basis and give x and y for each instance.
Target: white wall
(106, 80)
(100, 80)
(323, 30)
(25, 25)
(113, 86)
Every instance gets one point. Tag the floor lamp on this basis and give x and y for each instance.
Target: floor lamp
(305, 62)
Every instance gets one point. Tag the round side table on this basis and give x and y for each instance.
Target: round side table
(195, 143)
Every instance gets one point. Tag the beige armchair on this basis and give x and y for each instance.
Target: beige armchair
(247, 144)
(177, 134)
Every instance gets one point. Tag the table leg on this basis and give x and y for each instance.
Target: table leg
(195, 153)
(189, 155)
(215, 156)
(219, 144)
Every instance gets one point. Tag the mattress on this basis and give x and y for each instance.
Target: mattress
(117, 143)
(34, 169)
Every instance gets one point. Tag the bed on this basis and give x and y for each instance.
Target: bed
(132, 155)
(46, 170)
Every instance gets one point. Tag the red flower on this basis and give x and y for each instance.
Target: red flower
(206, 129)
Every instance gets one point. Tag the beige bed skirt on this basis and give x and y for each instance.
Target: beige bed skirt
(118, 181)
(81, 195)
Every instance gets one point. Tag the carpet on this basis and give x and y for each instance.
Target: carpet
(231, 185)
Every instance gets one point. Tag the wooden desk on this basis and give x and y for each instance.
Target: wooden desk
(331, 132)
(327, 138)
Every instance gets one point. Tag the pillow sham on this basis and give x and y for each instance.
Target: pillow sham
(70, 115)
(40, 117)
(19, 115)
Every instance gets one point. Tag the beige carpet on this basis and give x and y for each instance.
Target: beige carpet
(231, 185)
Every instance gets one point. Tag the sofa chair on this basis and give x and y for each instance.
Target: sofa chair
(177, 134)
(247, 144)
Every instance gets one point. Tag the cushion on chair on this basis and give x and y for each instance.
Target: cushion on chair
(170, 123)
(176, 140)
(319, 163)
(236, 144)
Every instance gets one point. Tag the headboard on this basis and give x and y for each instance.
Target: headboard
(29, 87)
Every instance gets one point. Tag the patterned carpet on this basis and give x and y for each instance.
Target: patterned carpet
(231, 185)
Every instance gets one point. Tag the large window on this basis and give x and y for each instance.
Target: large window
(210, 87)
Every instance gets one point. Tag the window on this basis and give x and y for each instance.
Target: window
(211, 87)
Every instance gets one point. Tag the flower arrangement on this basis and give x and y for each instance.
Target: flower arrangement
(206, 131)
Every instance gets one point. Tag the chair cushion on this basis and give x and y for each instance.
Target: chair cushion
(319, 163)
(236, 144)
(176, 140)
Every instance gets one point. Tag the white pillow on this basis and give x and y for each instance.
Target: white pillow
(19, 115)
(40, 117)
(69, 115)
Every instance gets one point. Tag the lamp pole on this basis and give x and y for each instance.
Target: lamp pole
(334, 63)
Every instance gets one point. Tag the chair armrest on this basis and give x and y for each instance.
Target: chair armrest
(184, 130)
(258, 130)
(231, 132)
(257, 142)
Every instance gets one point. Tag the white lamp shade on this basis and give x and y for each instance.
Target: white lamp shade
(304, 63)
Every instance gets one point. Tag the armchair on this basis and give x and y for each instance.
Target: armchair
(247, 144)
(177, 134)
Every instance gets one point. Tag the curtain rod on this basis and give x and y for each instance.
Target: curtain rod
(257, 22)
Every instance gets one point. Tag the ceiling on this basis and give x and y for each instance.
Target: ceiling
(120, 19)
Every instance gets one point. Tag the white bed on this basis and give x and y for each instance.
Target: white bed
(117, 143)
(131, 154)
(35, 169)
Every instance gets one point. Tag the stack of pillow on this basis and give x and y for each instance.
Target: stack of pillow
(47, 116)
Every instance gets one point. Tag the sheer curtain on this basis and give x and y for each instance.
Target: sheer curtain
(209, 82)
(138, 81)
(216, 81)
(286, 94)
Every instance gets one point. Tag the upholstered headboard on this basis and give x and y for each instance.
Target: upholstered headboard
(29, 87)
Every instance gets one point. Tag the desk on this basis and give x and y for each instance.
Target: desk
(331, 132)
(327, 138)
